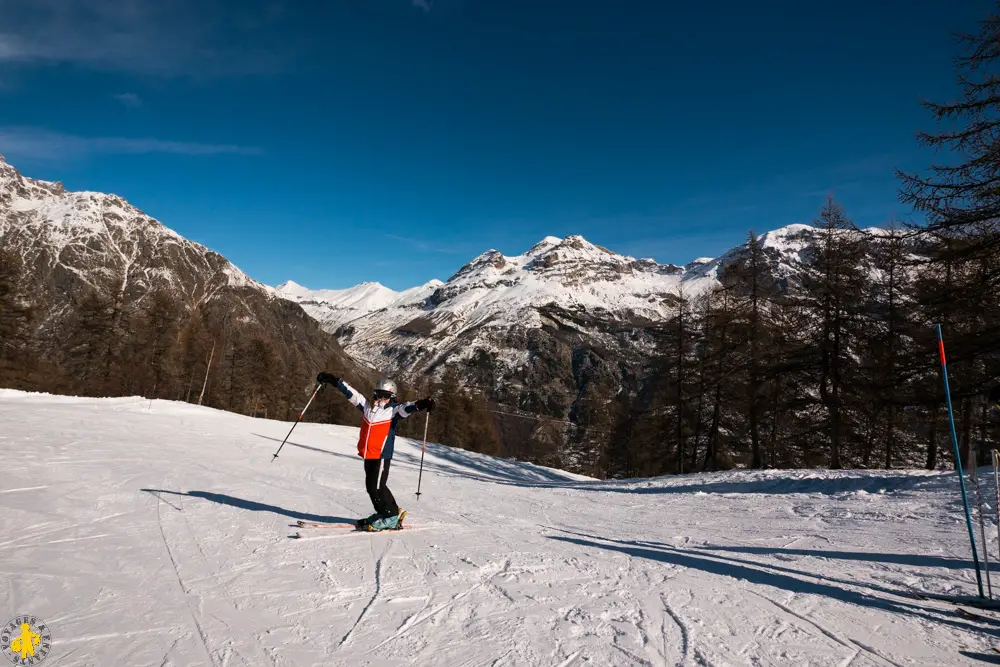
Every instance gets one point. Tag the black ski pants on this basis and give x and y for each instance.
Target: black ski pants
(376, 475)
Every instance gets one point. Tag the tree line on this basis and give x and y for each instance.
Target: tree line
(160, 347)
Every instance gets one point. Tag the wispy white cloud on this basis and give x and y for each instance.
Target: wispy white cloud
(29, 143)
(165, 37)
(130, 100)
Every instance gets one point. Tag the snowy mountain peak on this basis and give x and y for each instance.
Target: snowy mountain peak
(107, 242)
(546, 244)
(579, 243)
(570, 243)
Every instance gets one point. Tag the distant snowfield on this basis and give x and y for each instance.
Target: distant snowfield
(161, 536)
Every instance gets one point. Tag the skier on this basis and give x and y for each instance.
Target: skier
(375, 446)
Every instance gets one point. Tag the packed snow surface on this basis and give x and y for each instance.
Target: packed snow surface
(160, 534)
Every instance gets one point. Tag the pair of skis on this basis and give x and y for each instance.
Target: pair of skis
(350, 528)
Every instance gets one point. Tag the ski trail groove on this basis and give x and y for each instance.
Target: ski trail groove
(496, 663)
(61, 528)
(569, 661)
(685, 635)
(166, 656)
(378, 589)
(846, 662)
(26, 488)
(846, 643)
(413, 621)
(221, 586)
(180, 584)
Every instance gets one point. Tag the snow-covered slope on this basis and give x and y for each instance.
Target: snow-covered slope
(138, 548)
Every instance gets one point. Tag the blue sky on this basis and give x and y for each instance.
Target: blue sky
(338, 141)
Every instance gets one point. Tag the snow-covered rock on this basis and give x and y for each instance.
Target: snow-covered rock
(493, 293)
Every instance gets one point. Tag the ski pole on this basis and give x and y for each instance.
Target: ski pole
(958, 461)
(982, 528)
(301, 415)
(422, 450)
(996, 484)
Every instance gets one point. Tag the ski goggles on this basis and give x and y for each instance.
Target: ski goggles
(381, 393)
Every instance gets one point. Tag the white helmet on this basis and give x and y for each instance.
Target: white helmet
(385, 385)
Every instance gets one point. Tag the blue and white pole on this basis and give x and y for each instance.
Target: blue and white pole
(958, 460)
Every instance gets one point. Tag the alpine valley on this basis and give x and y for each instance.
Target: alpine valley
(569, 337)
(557, 352)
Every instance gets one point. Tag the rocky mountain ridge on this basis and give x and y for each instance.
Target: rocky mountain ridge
(79, 248)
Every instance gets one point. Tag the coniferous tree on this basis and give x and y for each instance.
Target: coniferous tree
(89, 354)
(15, 313)
(157, 337)
(960, 200)
(832, 295)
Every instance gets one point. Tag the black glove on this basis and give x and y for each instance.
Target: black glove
(327, 378)
(425, 404)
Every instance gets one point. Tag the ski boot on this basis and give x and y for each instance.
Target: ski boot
(363, 524)
(391, 522)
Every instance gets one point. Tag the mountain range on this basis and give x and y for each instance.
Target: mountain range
(536, 334)
(541, 309)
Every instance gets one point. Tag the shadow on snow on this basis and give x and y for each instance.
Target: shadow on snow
(988, 658)
(455, 462)
(311, 449)
(914, 560)
(253, 506)
(774, 576)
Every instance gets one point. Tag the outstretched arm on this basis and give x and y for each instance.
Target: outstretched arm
(404, 410)
(356, 398)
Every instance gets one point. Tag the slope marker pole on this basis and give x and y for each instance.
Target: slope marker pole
(958, 460)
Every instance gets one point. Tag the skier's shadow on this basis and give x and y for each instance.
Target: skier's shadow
(254, 506)
(990, 658)
(311, 449)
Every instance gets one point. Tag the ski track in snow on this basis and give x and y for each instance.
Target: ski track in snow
(160, 536)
